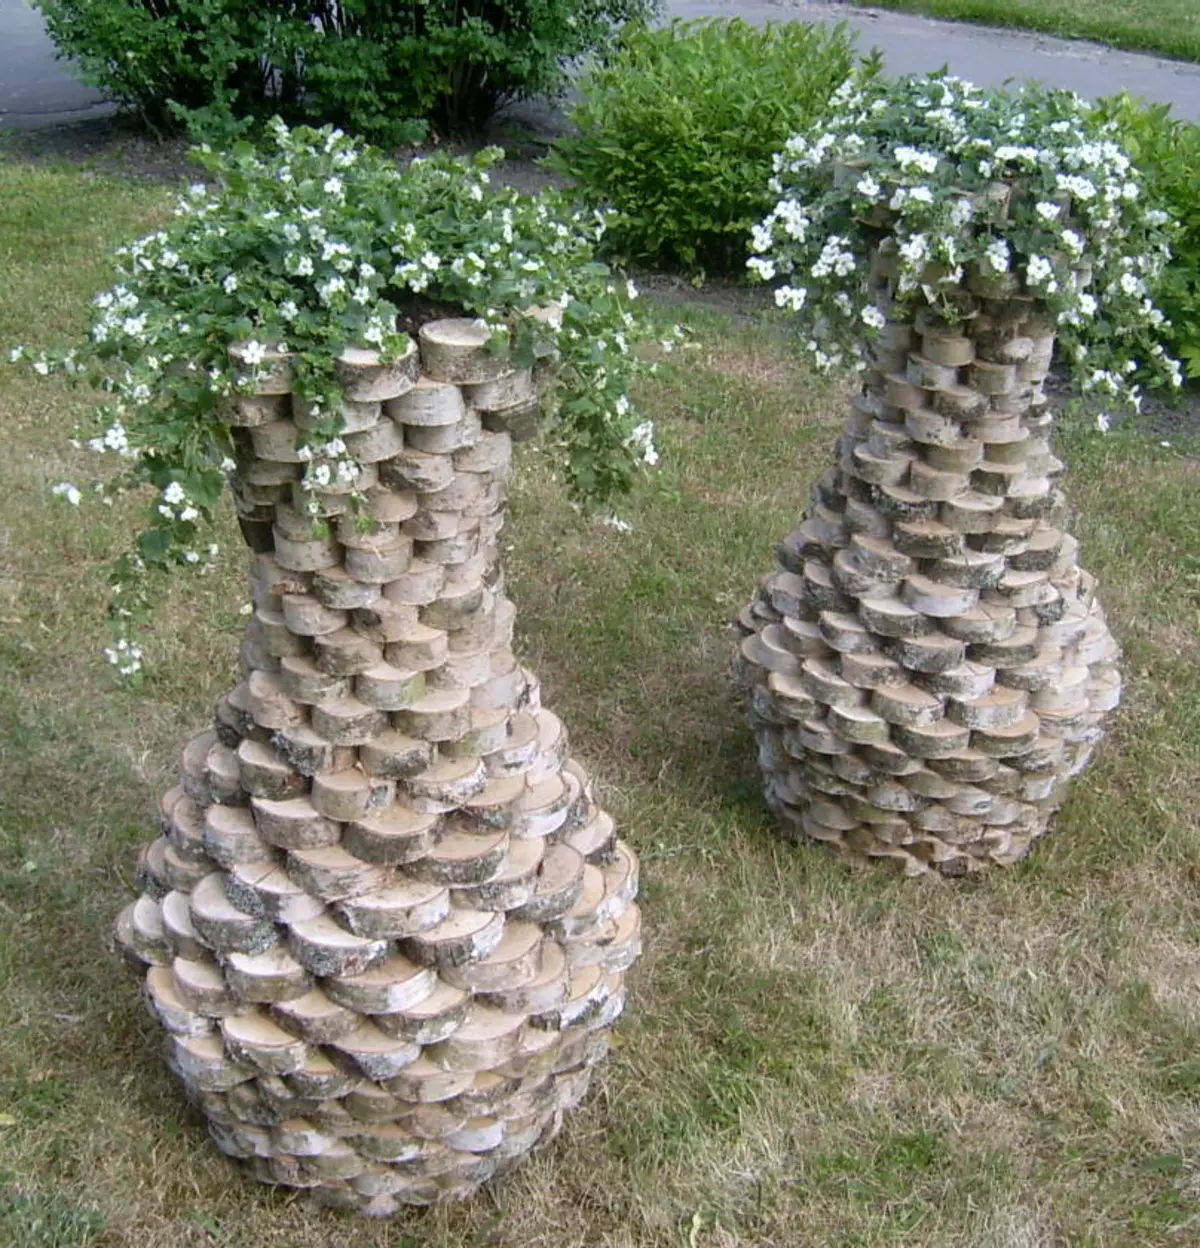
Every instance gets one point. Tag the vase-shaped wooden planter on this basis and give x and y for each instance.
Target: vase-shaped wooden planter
(385, 925)
(928, 664)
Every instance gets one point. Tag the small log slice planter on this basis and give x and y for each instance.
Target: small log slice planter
(385, 927)
(928, 664)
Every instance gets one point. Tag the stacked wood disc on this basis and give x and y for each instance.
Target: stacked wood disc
(386, 926)
(928, 663)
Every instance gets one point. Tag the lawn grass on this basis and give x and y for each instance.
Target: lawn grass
(1169, 27)
(813, 1057)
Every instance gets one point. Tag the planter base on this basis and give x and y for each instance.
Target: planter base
(928, 664)
(386, 926)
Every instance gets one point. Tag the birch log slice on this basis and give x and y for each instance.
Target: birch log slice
(367, 378)
(456, 351)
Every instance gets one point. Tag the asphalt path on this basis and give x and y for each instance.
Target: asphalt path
(37, 89)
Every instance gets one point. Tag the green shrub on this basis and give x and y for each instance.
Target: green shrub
(367, 65)
(1167, 151)
(678, 131)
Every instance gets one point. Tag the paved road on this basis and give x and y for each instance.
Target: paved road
(987, 57)
(37, 90)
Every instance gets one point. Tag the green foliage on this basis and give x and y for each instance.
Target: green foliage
(311, 244)
(1167, 151)
(368, 65)
(678, 131)
(962, 196)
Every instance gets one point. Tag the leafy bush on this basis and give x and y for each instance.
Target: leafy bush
(678, 131)
(1167, 151)
(310, 244)
(368, 65)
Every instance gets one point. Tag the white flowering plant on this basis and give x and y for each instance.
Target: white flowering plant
(969, 195)
(299, 249)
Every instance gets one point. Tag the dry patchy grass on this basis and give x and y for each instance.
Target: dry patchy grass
(812, 1056)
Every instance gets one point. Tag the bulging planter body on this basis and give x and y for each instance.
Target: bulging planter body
(385, 927)
(928, 663)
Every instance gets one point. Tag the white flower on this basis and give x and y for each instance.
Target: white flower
(326, 290)
(1072, 242)
(332, 186)
(228, 465)
(997, 255)
(254, 353)
(791, 297)
(64, 489)
(631, 290)
(1103, 424)
(915, 251)
(764, 268)
(872, 316)
(1048, 211)
(188, 513)
(190, 556)
(867, 187)
(230, 284)
(125, 657)
(836, 257)
(642, 440)
(1081, 187)
(961, 212)
(910, 158)
(174, 493)
(1039, 271)
(115, 438)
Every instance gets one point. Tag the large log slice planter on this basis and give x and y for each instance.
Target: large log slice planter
(928, 663)
(385, 927)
